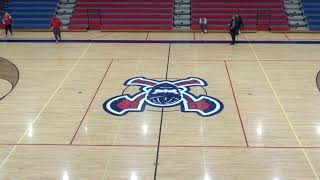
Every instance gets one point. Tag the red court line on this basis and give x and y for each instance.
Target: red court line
(164, 146)
(94, 96)
(285, 34)
(194, 36)
(83, 145)
(235, 101)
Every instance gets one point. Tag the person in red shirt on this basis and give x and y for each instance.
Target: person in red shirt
(55, 26)
(7, 21)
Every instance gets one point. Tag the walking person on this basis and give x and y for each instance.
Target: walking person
(55, 26)
(7, 21)
(233, 29)
(239, 23)
(203, 23)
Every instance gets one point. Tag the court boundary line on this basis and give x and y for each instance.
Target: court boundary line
(46, 104)
(162, 41)
(176, 60)
(237, 106)
(285, 114)
(92, 99)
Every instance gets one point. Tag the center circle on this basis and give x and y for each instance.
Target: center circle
(318, 80)
(5, 87)
(9, 76)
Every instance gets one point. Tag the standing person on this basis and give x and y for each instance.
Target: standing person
(55, 26)
(203, 23)
(7, 21)
(233, 29)
(239, 23)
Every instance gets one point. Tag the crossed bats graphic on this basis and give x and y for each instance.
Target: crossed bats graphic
(202, 105)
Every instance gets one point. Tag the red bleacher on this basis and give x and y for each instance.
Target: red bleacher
(256, 14)
(157, 14)
(123, 15)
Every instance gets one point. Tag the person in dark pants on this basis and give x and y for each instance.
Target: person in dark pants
(203, 23)
(239, 23)
(56, 26)
(233, 29)
(7, 21)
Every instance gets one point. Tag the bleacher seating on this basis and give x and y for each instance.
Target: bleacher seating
(31, 14)
(123, 15)
(312, 13)
(256, 14)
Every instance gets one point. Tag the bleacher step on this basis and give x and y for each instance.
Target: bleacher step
(182, 14)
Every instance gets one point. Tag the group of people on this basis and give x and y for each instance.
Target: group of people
(234, 26)
(55, 25)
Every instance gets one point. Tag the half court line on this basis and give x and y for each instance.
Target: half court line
(46, 104)
(285, 113)
(161, 121)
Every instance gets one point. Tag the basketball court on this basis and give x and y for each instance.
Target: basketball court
(55, 125)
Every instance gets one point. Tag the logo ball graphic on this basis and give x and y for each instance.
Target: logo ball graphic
(164, 94)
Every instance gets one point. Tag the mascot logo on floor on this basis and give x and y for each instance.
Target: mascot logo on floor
(164, 94)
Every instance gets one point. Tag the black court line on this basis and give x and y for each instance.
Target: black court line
(160, 41)
(156, 164)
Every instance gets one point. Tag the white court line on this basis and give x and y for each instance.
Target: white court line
(285, 113)
(46, 104)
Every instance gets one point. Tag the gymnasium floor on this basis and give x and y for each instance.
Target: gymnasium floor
(53, 125)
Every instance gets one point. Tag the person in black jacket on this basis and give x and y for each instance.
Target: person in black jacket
(239, 23)
(233, 29)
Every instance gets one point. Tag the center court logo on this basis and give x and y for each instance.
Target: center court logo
(164, 94)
